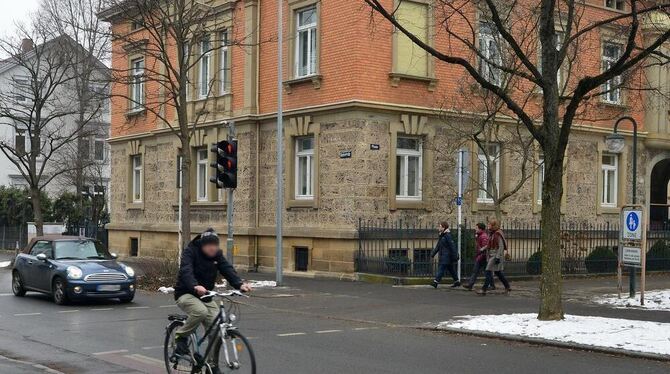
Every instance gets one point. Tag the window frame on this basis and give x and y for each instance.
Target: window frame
(311, 168)
(540, 180)
(101, 142)
(606, 62)
(618, 5)
(488, 34)
(137, 173)
(483, 164)
(312, 31)
(202, 170)
(402, 178)
(225, 70)
(137, 84)
(21, 82)
(204, 68)
(605, 169)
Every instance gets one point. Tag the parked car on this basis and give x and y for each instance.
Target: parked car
(71, 268)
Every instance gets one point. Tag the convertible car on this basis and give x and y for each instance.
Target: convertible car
(71, 268)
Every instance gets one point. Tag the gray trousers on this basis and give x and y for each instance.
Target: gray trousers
(198, 313)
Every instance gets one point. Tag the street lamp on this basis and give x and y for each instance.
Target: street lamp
(615, 143)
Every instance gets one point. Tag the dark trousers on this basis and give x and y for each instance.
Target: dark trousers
(446, 268)
(489, 280)
(479, 267)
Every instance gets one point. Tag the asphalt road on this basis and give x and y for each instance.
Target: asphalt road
(308, 327)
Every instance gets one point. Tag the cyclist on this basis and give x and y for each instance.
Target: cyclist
(200, 262)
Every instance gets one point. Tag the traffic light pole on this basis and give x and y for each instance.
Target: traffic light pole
(229, 210)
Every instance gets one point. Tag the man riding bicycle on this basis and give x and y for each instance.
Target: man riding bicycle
(200, 262)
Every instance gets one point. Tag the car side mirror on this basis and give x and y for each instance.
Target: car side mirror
(41, 257)
(114, 255)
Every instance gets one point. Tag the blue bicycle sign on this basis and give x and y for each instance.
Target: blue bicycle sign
(632, 221)
(632, 224)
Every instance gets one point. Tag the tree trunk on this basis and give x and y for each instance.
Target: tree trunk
(36, 200)
(551, 307)
(185, 192)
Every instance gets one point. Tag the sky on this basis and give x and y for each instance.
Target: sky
(14, 10)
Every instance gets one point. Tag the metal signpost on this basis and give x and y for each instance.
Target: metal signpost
(632, 245)
(460, 175)
(229, 208)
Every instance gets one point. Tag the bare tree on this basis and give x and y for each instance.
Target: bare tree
(174, 38)
(563, 28)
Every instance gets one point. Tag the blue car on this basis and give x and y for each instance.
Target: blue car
(71, 268)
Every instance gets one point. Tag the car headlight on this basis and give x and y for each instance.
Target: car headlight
(74, 272)
(130, 271)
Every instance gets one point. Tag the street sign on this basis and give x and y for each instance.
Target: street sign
(632, 224)
(459, 200)
(631, 256)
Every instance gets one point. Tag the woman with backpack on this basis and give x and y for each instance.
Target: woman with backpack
(495, 257)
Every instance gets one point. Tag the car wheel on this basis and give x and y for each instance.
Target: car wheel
(127, 299)
(17, 284)
(58, 291)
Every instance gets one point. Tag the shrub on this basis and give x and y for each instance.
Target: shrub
(658, 256)
(601, 260)
(153, 273)
(534, 264)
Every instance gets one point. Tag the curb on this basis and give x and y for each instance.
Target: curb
(552, 343)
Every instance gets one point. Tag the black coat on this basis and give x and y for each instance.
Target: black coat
(196, 269)
(446, 249)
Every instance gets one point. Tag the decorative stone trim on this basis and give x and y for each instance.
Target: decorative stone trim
(395, 78)
(315, 79)
(297, 127)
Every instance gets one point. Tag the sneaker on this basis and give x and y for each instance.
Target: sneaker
(468, 286)
(456, 284)
(481, 292)
(492, 288)
(182, 348)
(434, 284)
(215, 370)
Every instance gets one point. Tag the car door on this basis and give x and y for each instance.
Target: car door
(32, 277)
(43, 269)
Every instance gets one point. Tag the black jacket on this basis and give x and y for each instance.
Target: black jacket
(196, 269)
(446, 249)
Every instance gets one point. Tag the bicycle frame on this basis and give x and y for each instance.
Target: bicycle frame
(223, 327)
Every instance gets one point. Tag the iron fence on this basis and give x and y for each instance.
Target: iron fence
(13, 236)
(402, 248)
(89, 230)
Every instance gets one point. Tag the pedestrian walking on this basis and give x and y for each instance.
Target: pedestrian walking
(495, 257)
(481, 242)
(448, 256)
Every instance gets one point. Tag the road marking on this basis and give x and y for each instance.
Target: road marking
(68, 311)
(154, 347)
(27, 314)
(145, 359)
(137, 307)
(327, 331)
(101, 309)
(365, 328)
(168, 306)
(6, 294)
(292, 334)
(110, 352)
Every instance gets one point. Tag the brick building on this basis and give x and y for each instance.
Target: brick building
(352, 85)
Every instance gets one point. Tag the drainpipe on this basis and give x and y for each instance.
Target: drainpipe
(258, 133)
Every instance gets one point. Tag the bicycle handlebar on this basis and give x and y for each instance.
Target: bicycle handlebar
(223, 294)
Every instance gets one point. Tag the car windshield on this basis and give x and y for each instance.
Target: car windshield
(80, 250)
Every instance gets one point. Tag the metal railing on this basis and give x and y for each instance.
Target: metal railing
(402, 248)
(13, 236)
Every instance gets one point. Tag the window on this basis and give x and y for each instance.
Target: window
(137, 84)
(202, 178)
(20, 143)
(489, 173)
(205, 63)
(615, 4)
(22, 89)
(225, 63)
(42, 247)
(186, 51)
(540, 180)
(610, 177)
(409, 162)
(99, 149)
(85, 148)
(490, 49)
(136, 162)
(410, 58)
(611, 88)
(304, 168)
(305, 51)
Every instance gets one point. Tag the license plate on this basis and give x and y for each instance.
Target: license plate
(109, 287)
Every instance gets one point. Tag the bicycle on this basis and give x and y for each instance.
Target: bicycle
(222, 336)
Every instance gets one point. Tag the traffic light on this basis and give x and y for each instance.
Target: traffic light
(226, 164)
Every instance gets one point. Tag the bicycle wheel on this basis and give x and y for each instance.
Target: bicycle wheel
(241, 358)
(174, 365)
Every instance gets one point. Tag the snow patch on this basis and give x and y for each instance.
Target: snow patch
(166, 289)
(5, 264)
(624, 334)
(653, 300)
(263, 284)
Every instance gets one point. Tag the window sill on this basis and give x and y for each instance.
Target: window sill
(609, 210)
(402, 204)
(205, 205)
(610, 104)
(314, 78)
(136, 112)
(301, 203)
(397, 77)
(138, 205)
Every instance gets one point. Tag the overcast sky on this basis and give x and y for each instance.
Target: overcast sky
(14, 10)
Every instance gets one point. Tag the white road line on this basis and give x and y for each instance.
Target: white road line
(154, 347)
(137, 307)
(365, 328)
(26, 314)
(292, 334)
(327, 331)
(168, 306)
(101, 309)
(110, 352)
(68, 311)
(6, 294)
(145, 359)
